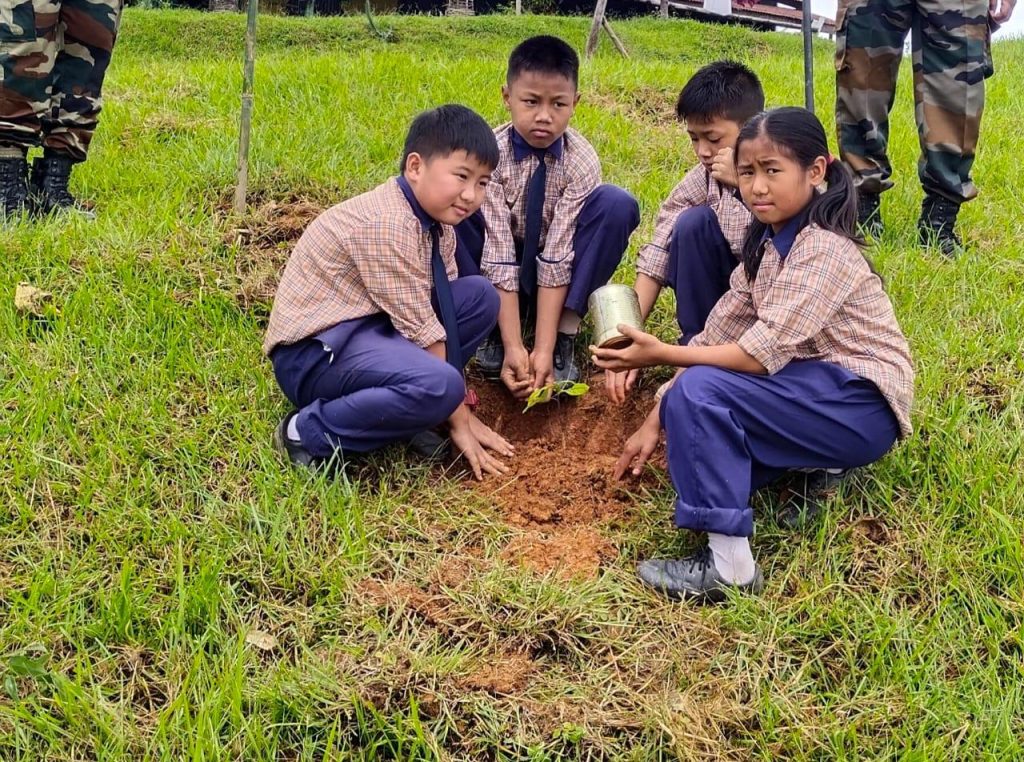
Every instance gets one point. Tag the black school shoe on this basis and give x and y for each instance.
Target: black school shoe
(292, 450)
(693, 578)
(811, 492)
(430, 446)
(490, 356)
(565, 366)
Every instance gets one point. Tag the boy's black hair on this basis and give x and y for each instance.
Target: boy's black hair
(443, 130)
(546, 55)
(798, 133)
(723, 89)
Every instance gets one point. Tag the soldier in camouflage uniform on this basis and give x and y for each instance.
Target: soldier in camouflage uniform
(950, 43)
(53, 56)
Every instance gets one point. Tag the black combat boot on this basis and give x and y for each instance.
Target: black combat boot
(13, 187)
(935, 227)
(869, 215)
(51, 175)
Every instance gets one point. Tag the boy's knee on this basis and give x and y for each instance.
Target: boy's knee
(620, 205)
(485, 295)
(477, 299)
(693, 221)
(698, 385)
(451, 391)
(614, 205)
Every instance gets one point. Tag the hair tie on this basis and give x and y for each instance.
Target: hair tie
(831, 159)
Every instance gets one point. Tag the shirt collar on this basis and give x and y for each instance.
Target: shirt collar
(521, 149)
(424, 219)
(783, 240)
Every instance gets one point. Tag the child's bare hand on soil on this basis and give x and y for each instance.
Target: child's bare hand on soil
(640, 446)
(473, 439)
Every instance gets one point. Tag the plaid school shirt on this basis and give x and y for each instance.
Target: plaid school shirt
(819, 301)
(697, 188)
(573, 172)
(367, 255)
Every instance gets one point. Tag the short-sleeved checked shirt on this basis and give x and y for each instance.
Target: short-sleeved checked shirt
(573, 172)
(365, 256)
(820, 302)
(697, 188)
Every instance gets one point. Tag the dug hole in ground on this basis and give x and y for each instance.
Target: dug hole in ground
(560, 488)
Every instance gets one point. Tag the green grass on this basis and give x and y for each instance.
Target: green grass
(147, 527)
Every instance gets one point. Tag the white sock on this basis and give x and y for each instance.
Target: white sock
(733, 559)
(293, 429)
(569, 323)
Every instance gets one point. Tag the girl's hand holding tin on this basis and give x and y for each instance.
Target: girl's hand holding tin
(644, 351)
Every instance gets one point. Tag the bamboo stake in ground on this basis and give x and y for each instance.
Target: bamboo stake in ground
(615, 38)
(599, 21)
(245, 121)
(595, 27)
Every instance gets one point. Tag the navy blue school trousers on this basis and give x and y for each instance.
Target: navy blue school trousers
(361, 385)
(728, 433)
(700, 263)
(608, 218)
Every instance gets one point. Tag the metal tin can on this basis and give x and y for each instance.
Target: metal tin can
(611, 305)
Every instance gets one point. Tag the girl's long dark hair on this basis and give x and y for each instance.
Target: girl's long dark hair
(798, 133)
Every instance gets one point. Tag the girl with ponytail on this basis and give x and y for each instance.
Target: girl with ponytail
(801, 365)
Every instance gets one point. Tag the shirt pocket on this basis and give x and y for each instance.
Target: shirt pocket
(17, 21)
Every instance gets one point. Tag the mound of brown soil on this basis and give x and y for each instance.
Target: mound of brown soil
(571, 552)
(560, 485)
(566, 450)
(506, 674)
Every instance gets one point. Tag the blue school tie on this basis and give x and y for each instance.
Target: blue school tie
(444, 299)
(535, 193)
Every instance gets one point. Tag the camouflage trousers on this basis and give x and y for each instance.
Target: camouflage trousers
(951, 54)
(53, 57)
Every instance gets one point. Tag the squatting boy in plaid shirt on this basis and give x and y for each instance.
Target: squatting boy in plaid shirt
(802, 364)
(366, 313)
(700, 227)
(549, 232)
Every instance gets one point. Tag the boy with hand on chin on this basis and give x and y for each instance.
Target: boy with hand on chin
(699, 231)
(370, 328)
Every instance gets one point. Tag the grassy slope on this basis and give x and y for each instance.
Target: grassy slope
(146, 525)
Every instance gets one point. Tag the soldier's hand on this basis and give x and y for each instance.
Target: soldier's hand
(1000, 10)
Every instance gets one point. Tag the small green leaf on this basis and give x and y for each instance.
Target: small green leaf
(576, 390)
(11, 687)
(558, 388)
(24, 666)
